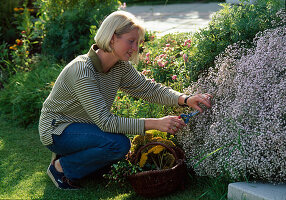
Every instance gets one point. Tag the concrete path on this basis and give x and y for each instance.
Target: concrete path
(172, 18)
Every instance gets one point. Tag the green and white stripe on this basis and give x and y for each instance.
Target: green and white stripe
(84, 93)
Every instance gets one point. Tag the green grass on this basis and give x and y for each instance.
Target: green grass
(24, 161)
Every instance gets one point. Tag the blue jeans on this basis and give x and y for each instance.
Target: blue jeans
(84, 148)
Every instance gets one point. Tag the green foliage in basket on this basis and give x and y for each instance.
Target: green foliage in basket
(120, 171)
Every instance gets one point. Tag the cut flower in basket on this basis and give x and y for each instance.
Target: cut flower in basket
(162, 162)
(154, 157)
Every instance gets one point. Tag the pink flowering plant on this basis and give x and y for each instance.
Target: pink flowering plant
(244, 133)
(165, 60)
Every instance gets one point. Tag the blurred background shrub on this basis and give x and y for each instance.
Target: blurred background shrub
(68, 24)
(22, 97)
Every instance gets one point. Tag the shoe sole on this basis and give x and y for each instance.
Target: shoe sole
(55, 182)
(52, 177)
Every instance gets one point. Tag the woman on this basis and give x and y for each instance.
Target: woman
(76, 122)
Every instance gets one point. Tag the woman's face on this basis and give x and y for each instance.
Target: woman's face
(125, 45)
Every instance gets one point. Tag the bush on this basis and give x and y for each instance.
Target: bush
(231, 24)
(68, 29)
(8, 31)
(165, 59)
(22, 98)
(244, 133)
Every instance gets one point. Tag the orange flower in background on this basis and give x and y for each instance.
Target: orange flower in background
(18, 9)
(19, 42)
(14, 47)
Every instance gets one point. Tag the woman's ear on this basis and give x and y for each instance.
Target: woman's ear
(112, 39)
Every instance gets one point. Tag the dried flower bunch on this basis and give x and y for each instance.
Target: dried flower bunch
(244, 133)
(153, 157)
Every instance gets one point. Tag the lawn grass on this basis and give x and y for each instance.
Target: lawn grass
(24, 161)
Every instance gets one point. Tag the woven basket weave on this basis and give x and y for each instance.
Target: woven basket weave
(155, 183)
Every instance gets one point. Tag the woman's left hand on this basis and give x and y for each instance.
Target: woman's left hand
(194, 101)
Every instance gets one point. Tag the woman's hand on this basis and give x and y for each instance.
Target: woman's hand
(170, 124)
(194, 101)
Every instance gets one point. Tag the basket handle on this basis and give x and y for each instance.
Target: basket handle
(155, 143)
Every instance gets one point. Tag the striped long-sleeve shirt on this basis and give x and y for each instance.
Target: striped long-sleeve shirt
(84, 93)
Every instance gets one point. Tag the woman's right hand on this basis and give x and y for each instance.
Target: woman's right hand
(170, 124)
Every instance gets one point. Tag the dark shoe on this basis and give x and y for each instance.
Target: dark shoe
(60, 180)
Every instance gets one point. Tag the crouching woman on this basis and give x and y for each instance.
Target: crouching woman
(76, 123)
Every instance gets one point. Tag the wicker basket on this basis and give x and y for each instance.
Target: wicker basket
(155, 183)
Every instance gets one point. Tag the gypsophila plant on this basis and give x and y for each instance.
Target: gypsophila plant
(244, 133)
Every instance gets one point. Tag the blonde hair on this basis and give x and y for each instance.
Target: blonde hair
(118, 22)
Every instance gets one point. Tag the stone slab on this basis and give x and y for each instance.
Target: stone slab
(256, 191)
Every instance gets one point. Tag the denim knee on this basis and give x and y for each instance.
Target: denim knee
(121, 147)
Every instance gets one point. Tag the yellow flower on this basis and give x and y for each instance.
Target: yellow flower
(166, 142)
(143, 159)
(52, 84)
(16, 9)
(156, 149)
(148, 137)
(138, 140)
